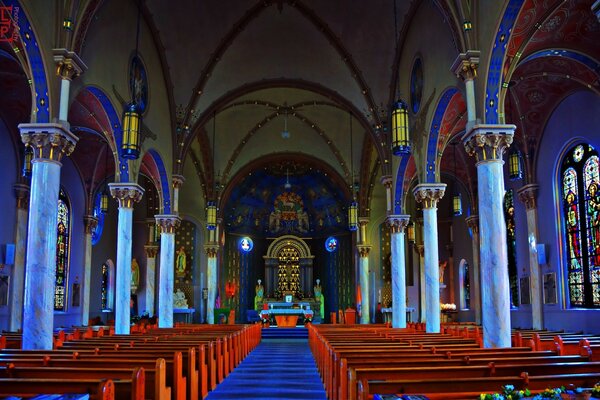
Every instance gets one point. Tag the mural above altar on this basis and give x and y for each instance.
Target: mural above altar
(286, 198)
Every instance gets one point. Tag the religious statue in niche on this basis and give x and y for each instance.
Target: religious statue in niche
(318, 290)
(443, 266)
(179, 300)
(258, 298)
(181, 262)
(135, 275)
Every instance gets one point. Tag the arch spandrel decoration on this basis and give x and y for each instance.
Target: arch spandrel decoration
(288, 240)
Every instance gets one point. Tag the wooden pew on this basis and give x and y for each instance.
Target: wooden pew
(102, 389)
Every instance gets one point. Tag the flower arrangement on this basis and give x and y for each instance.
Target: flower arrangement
(508, 393)
(448, 306)
(596, 390)
(551, 393)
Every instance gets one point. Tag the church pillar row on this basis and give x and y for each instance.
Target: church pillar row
(528, 195)
(422, 304)
(363, 270)
(211, 277)
(473, 224)
(397, 225)
(166, 278)
(465, 67)
(150, 278)
(69, 66)
(127, 194)
(429, 194)
(487, 143)
(50, 142)
(90, 222)
(17, 283)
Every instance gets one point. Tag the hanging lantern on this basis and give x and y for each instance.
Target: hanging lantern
(131, 133)
(28, 156)
(353, 216)
(457, 204)
(400, 133)
(467, 25)
(211, 216)
(411, 232)
(68, 24)
(514, 166)
(104, 202)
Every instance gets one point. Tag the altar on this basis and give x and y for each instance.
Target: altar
(286, 314)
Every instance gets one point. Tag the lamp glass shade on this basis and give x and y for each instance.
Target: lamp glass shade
(353, 216)
(467, 25)
(514, 166)
(104, 202)
(457, 204)
(211, 216)
(130, 148)
(68, 24)
(411, 232)
(400, 132)
(28, 156)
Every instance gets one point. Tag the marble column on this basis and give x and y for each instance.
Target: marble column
(211, 249)
(50, 142)
(397, 225)
(528, 195)
(429, 194)
(68, 67)
(90, 222)
(488, 143)
(422, 303)
(387, 183)
(363, 270)
(473, 224)
(166, 275)
(17, 281)
(150, 278)
(178, 181)
(465, 67)
(127, 194)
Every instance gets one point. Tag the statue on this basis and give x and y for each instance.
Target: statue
(275, 221)
(180, 262)
(179, 300)
(135, 275)
(442, 268)
(258, 298)
(594, 213)
(318, 290)
(302, 216)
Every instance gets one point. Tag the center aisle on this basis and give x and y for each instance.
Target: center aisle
(281, 367)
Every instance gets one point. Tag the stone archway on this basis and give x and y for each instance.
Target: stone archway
(288, 268)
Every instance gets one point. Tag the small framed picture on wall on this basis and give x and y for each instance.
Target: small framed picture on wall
(525, 293)
(4, 280)
(550, 288)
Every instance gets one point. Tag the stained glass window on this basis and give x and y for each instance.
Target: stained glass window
(107, 289)
(580, 186)
(513, 276)
(465, 282)
(62, 252)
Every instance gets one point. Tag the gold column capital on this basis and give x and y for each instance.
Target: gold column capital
(168, 223)
(387, 181)
(211, 249)
(363, 250)
(178, 181)
(126, 193)
(429, 193)
(22, 191)
(89, 223)
(420, 249)
(151, 250)
(465, 65)
(528, 195)
(397, 223)
(473, 222)
(488, 142)
(49, 141)
(68, 64)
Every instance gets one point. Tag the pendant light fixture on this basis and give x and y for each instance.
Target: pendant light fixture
(514, 165)
(211, 206)
(400, 128)
(130, 148)
(353, 208)
(456, 197)
(27, 157)
(285, 133)
(104, 194)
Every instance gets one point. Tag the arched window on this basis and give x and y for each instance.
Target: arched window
(580, 184)
(107, 287)
(465, 285)
(509, 216)
(62, 251)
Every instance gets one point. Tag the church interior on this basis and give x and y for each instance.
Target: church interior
(386, 163)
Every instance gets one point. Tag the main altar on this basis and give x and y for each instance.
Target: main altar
(286, 314)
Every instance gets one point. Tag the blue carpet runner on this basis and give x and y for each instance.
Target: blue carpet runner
(280, 367)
